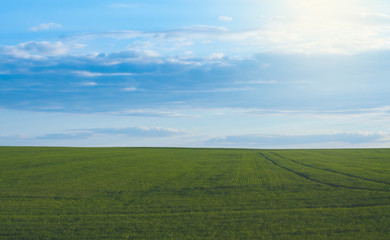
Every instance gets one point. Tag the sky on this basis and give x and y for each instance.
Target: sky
(240, 74)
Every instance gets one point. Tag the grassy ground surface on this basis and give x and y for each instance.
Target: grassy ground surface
(157, 193)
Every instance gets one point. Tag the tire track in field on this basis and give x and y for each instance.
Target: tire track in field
(234, 211)
(269, 178)
(316, 180)
(333, 171)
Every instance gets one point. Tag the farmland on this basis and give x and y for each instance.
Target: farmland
(161, 193)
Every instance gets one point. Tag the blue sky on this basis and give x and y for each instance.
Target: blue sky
(253, 74)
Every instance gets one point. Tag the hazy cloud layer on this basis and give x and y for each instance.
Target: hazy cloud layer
(274, 140)
(143, 132)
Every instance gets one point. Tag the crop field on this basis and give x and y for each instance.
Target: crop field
(162, 193)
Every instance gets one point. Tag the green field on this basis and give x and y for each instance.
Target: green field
(160, 193)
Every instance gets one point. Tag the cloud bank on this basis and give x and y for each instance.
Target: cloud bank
(36, 50)
(294, 141)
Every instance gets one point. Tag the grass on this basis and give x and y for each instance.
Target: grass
(158, 193)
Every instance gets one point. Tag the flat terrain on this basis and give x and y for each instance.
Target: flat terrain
(157, 193)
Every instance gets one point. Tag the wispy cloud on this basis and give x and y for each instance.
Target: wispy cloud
(258, 82)
(129, 89)
(144, 132)
(356, 114)
(66, 136)
(99, 74)
(87, 84)
(215, 56)
(294, 34)
(45, 26)
(135, 55)
(375, 18)
(217, 90)
(225, 18)
(154, 113)
(198, 31)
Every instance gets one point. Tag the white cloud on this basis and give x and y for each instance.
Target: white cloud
(216, 56)
(88, 84)
(377, 17)
(36, 50)
(98, 74)
(129, 89)
(45, 26)
(134, 54)
(78, 45)
(86, 74)
(258, 82)
(152, 113)
(217, 90)
(198, 31)
(183, 61)
(151, 53)
(225, 18)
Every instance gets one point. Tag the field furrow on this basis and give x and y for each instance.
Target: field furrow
(334, 171)
(328, 179)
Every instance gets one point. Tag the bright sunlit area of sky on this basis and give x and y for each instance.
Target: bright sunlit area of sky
(249, 74)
